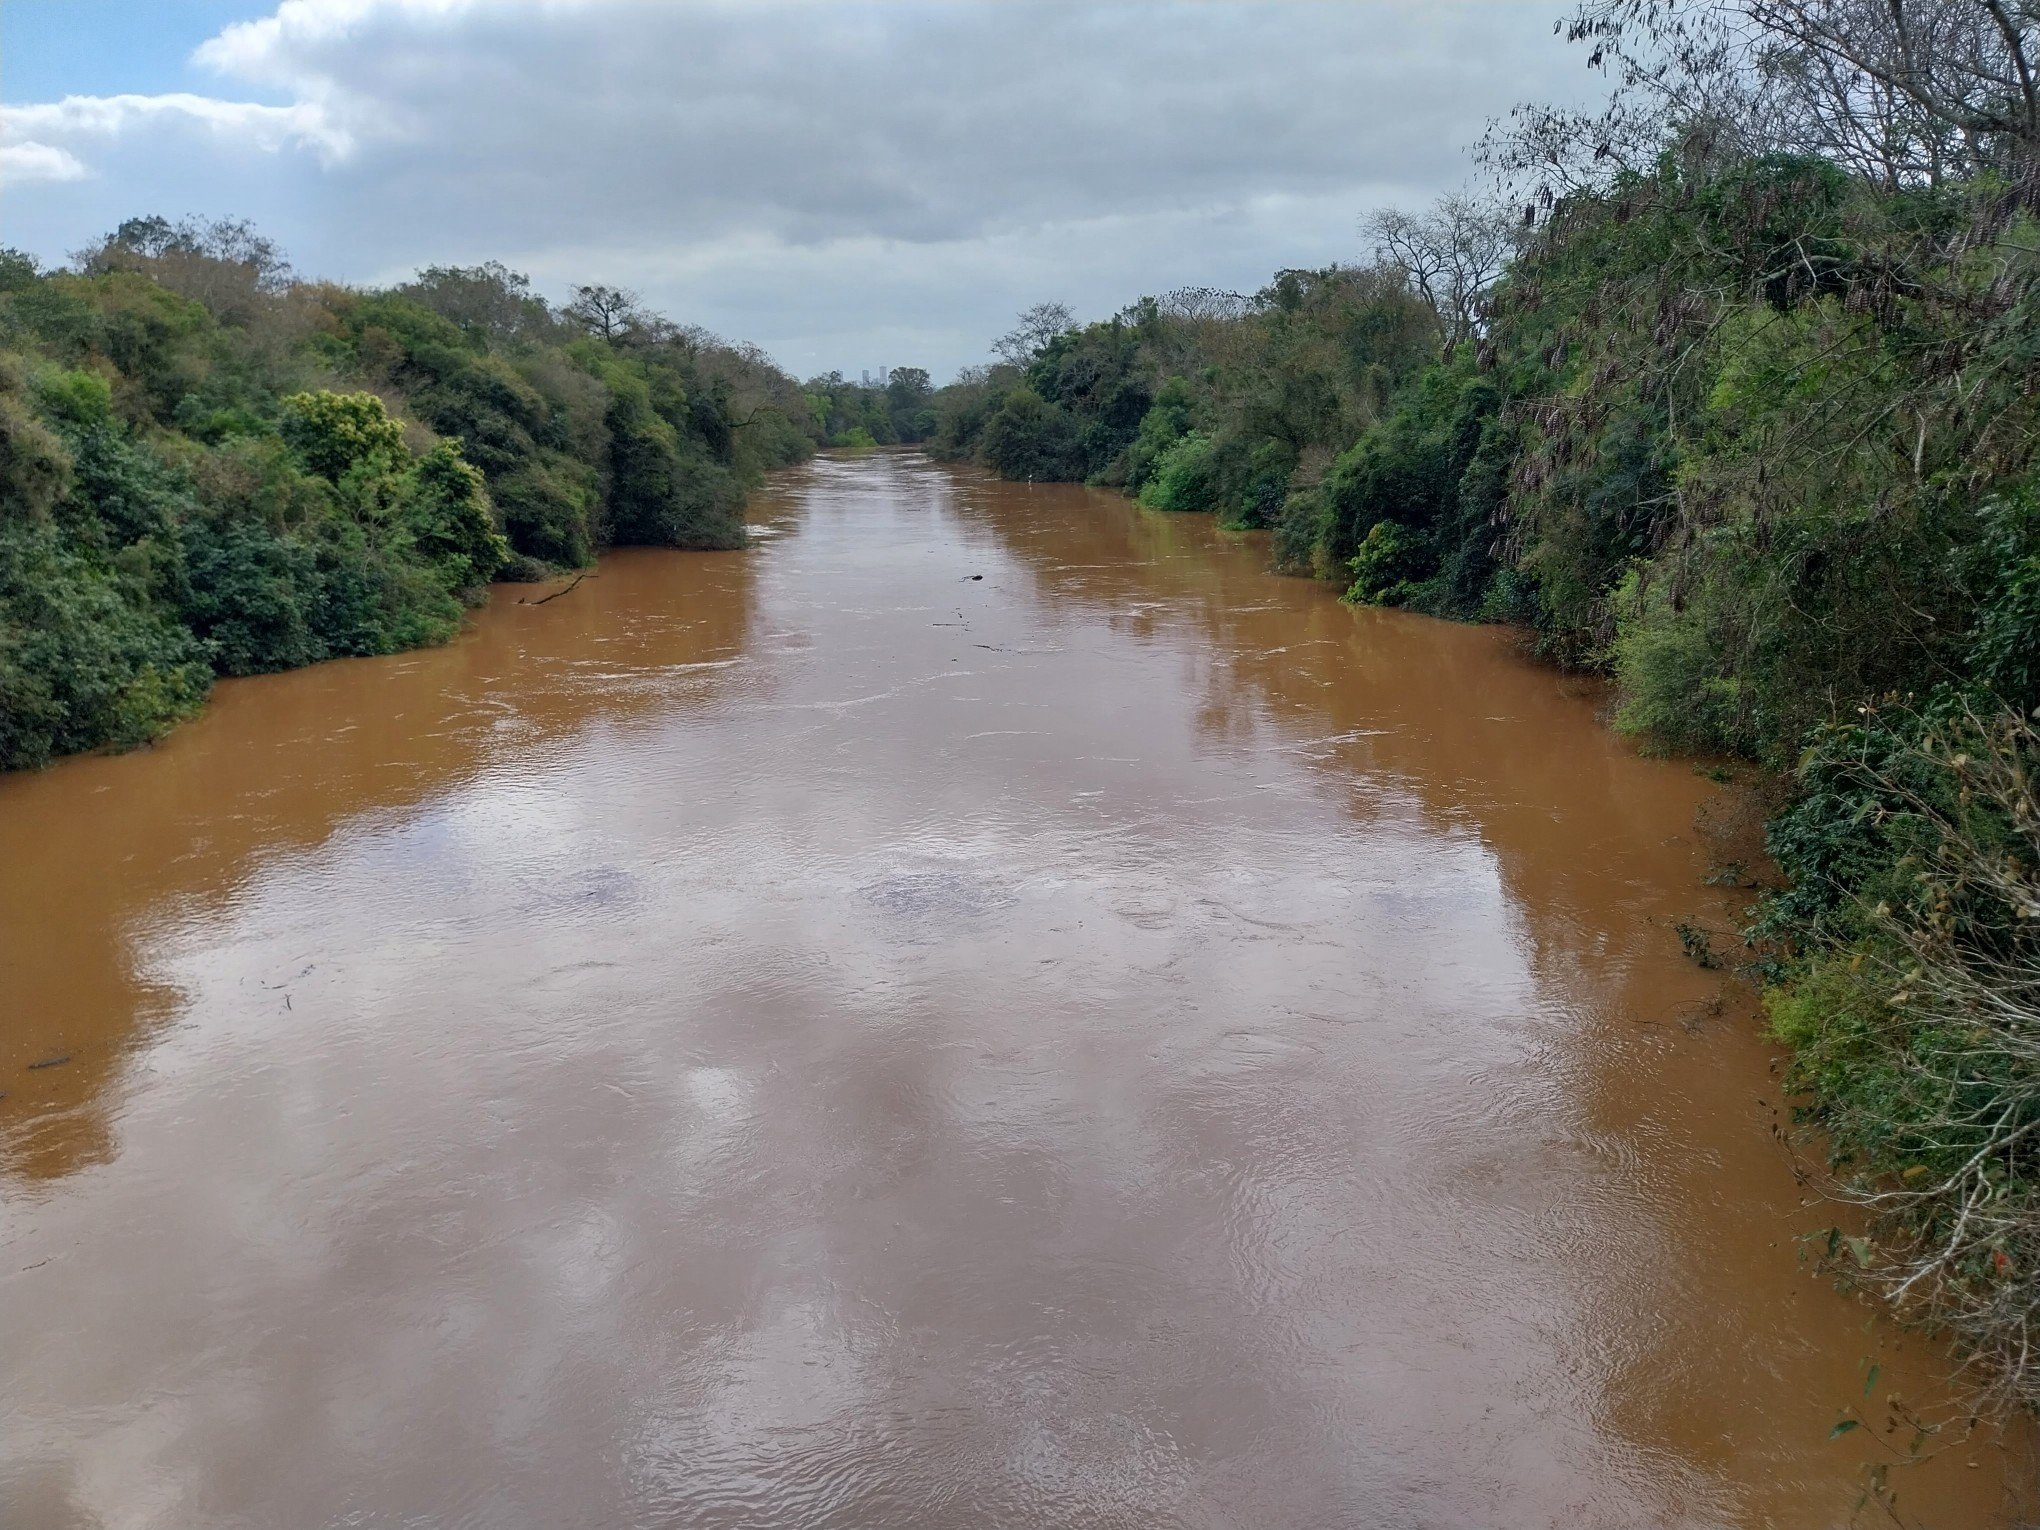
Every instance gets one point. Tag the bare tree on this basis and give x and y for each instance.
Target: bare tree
(1930, 87)
(1037, 327)
(1903, 92)
(1205, 303)
(696, 340)
(611, 312)
(1451, 256)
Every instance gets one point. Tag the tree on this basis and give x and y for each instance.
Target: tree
(227, 264)
(489, 298)
(35, 469)
(1916, 89)
(611, 312)
(452, 520)
(1900, 92)
(1450, 256)
(334, 433)
(1029, 438)
(908, 386)
(909, 396)
(18, 269)
(224, 241)
(1037, 327)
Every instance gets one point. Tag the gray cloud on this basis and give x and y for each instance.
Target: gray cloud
(846, 184)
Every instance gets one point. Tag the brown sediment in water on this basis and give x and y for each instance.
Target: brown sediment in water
(808, 1037)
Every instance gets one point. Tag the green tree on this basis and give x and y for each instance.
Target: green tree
(337, 433)
(452, 520)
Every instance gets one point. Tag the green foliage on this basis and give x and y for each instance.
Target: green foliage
(1675, 691)
(336, 433)
(1182, 475)
(1406, 509)
(450, 521)
(2005, 637)
(1268, 467)
(83, 660)
(206, 470)
(1829, 1015)
(1095, 385)
(1297, 370)
(1907, 940)
(664, 487)
(1029, 439)
(961, 410)
(1167, 421)
(897, 409)
(35, 467)
(1388, 566)
(75, 397)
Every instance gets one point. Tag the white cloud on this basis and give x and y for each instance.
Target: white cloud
(24, 163)
(244, 123)
(879, 159)
(266, 46)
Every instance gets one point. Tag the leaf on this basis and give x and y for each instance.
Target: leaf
(1844, 1427)
(1870, 1380)
(1860, 1248)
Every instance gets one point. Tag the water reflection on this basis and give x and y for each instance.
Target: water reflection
(105, 858)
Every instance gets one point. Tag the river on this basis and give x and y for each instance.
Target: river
(986, 1009)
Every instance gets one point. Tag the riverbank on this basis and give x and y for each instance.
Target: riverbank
(213, 470)
(1787, 508)
(1881, 928)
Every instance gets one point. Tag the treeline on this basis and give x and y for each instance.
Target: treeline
(1736, 400)
(1754, 436)
(897, 410)
(210, 468)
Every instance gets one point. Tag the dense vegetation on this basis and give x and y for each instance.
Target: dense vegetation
(208, 468)
(1737, 402)
(896, 410)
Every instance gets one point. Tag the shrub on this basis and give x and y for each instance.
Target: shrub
(452, 521)
(83, 663)
(1387, 566)
(1026, 438)
(1182, 476)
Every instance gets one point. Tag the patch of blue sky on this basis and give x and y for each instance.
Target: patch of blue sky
(50, 49)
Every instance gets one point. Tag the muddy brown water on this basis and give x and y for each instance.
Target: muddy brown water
(810, 1038)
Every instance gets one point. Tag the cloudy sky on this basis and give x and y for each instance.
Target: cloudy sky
(847, 184)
